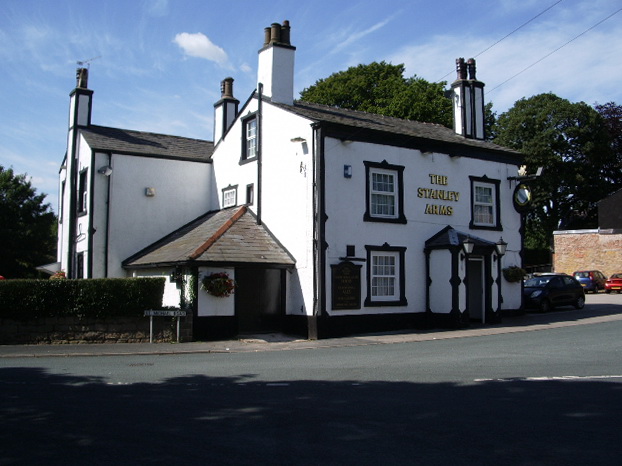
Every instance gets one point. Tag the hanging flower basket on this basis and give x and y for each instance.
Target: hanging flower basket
(218, 284)
(514, 274)
(58, 276)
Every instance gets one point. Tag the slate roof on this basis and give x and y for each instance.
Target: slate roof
(229, 236)
(418, 132)
(131, 142)
(449, 237)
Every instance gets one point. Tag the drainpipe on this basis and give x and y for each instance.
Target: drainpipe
(107, 233)
(259, 151)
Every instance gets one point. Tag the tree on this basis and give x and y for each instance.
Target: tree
(612, 114)
(27, 227)
(572, 143)
(381, 88)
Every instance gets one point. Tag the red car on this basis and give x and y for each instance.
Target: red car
(614, 283)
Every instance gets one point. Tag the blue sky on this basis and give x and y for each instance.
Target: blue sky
(157, 64)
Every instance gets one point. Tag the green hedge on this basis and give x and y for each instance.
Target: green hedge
(96, 298)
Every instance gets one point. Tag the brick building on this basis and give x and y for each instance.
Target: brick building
(597, 249)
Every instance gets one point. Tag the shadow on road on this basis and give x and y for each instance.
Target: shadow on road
(57, 419)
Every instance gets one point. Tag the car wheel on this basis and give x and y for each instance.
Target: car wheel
(608, 291)
(579, 303)
(545, 305)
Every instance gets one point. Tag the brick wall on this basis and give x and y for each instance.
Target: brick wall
(587, 250)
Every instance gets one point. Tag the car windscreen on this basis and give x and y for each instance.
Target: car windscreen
(537, 282)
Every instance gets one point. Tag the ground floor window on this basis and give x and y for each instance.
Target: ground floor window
(385, 276)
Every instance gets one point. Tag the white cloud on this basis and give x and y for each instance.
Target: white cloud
(198, 45)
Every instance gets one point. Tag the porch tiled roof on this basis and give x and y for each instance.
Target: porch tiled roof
(230, 236)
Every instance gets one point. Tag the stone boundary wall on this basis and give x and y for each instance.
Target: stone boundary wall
(69, 330)
(587, 250)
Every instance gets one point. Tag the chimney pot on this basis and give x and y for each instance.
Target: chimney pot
(226, 88)
(471, 68)
(275, 36)
(461, 70)
(82, 78)
(285, 31)
(267, 34)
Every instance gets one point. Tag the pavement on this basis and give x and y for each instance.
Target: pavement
(528, 322)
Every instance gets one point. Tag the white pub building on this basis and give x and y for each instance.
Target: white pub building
(329, 221)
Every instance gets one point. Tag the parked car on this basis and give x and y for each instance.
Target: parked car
(591, 280)
(614, 283)
(546, 291)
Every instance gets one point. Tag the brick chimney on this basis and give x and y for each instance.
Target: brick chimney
(468, 99)
(276, 64)
(225, 110)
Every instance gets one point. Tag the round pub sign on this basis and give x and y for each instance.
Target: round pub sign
(522, 197)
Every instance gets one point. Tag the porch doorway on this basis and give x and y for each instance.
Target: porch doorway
(475, 289)
(259, 300)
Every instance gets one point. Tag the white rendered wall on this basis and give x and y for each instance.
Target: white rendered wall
(286, 191)
(181, 193)
(440, 288)
(346, 204)
(214, 306)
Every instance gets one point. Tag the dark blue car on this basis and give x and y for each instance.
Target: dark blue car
(546, 291)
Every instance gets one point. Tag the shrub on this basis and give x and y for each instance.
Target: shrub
(92, 298)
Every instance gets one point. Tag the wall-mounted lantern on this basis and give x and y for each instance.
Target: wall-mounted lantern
(501, 247)
(467, 246)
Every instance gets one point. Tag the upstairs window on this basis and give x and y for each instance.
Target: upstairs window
(385, 193)
(485, 203)
(82, 191)
(249, 139)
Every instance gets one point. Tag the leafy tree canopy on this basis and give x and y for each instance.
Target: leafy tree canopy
(381, 88)
(27, 227)
(572, 142)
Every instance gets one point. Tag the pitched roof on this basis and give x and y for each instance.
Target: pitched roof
(229, 236)
(409, 131)
(148, 144)
(449, 237)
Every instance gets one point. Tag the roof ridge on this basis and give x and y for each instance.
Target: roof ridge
(219, 233)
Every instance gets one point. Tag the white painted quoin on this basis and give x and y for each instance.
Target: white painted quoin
(369, 215)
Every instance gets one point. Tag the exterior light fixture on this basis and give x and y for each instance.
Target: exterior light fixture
(468, 245)
(106, 170)
(501, 247)
(298, 139)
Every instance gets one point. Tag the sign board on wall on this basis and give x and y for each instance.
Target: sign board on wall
(346, 286)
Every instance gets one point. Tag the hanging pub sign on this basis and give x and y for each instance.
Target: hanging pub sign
(522, 197)
(346, 286)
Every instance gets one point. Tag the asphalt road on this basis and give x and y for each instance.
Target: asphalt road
(547, 394)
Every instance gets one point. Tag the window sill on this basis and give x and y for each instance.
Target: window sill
(400, 220)
(400, 302)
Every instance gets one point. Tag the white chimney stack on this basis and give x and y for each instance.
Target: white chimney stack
(276, 64)
(468, 98)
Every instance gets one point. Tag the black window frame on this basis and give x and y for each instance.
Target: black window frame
(399, 218)
(371, 301)
(496, 184)
(244, 153)
(83, 183)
